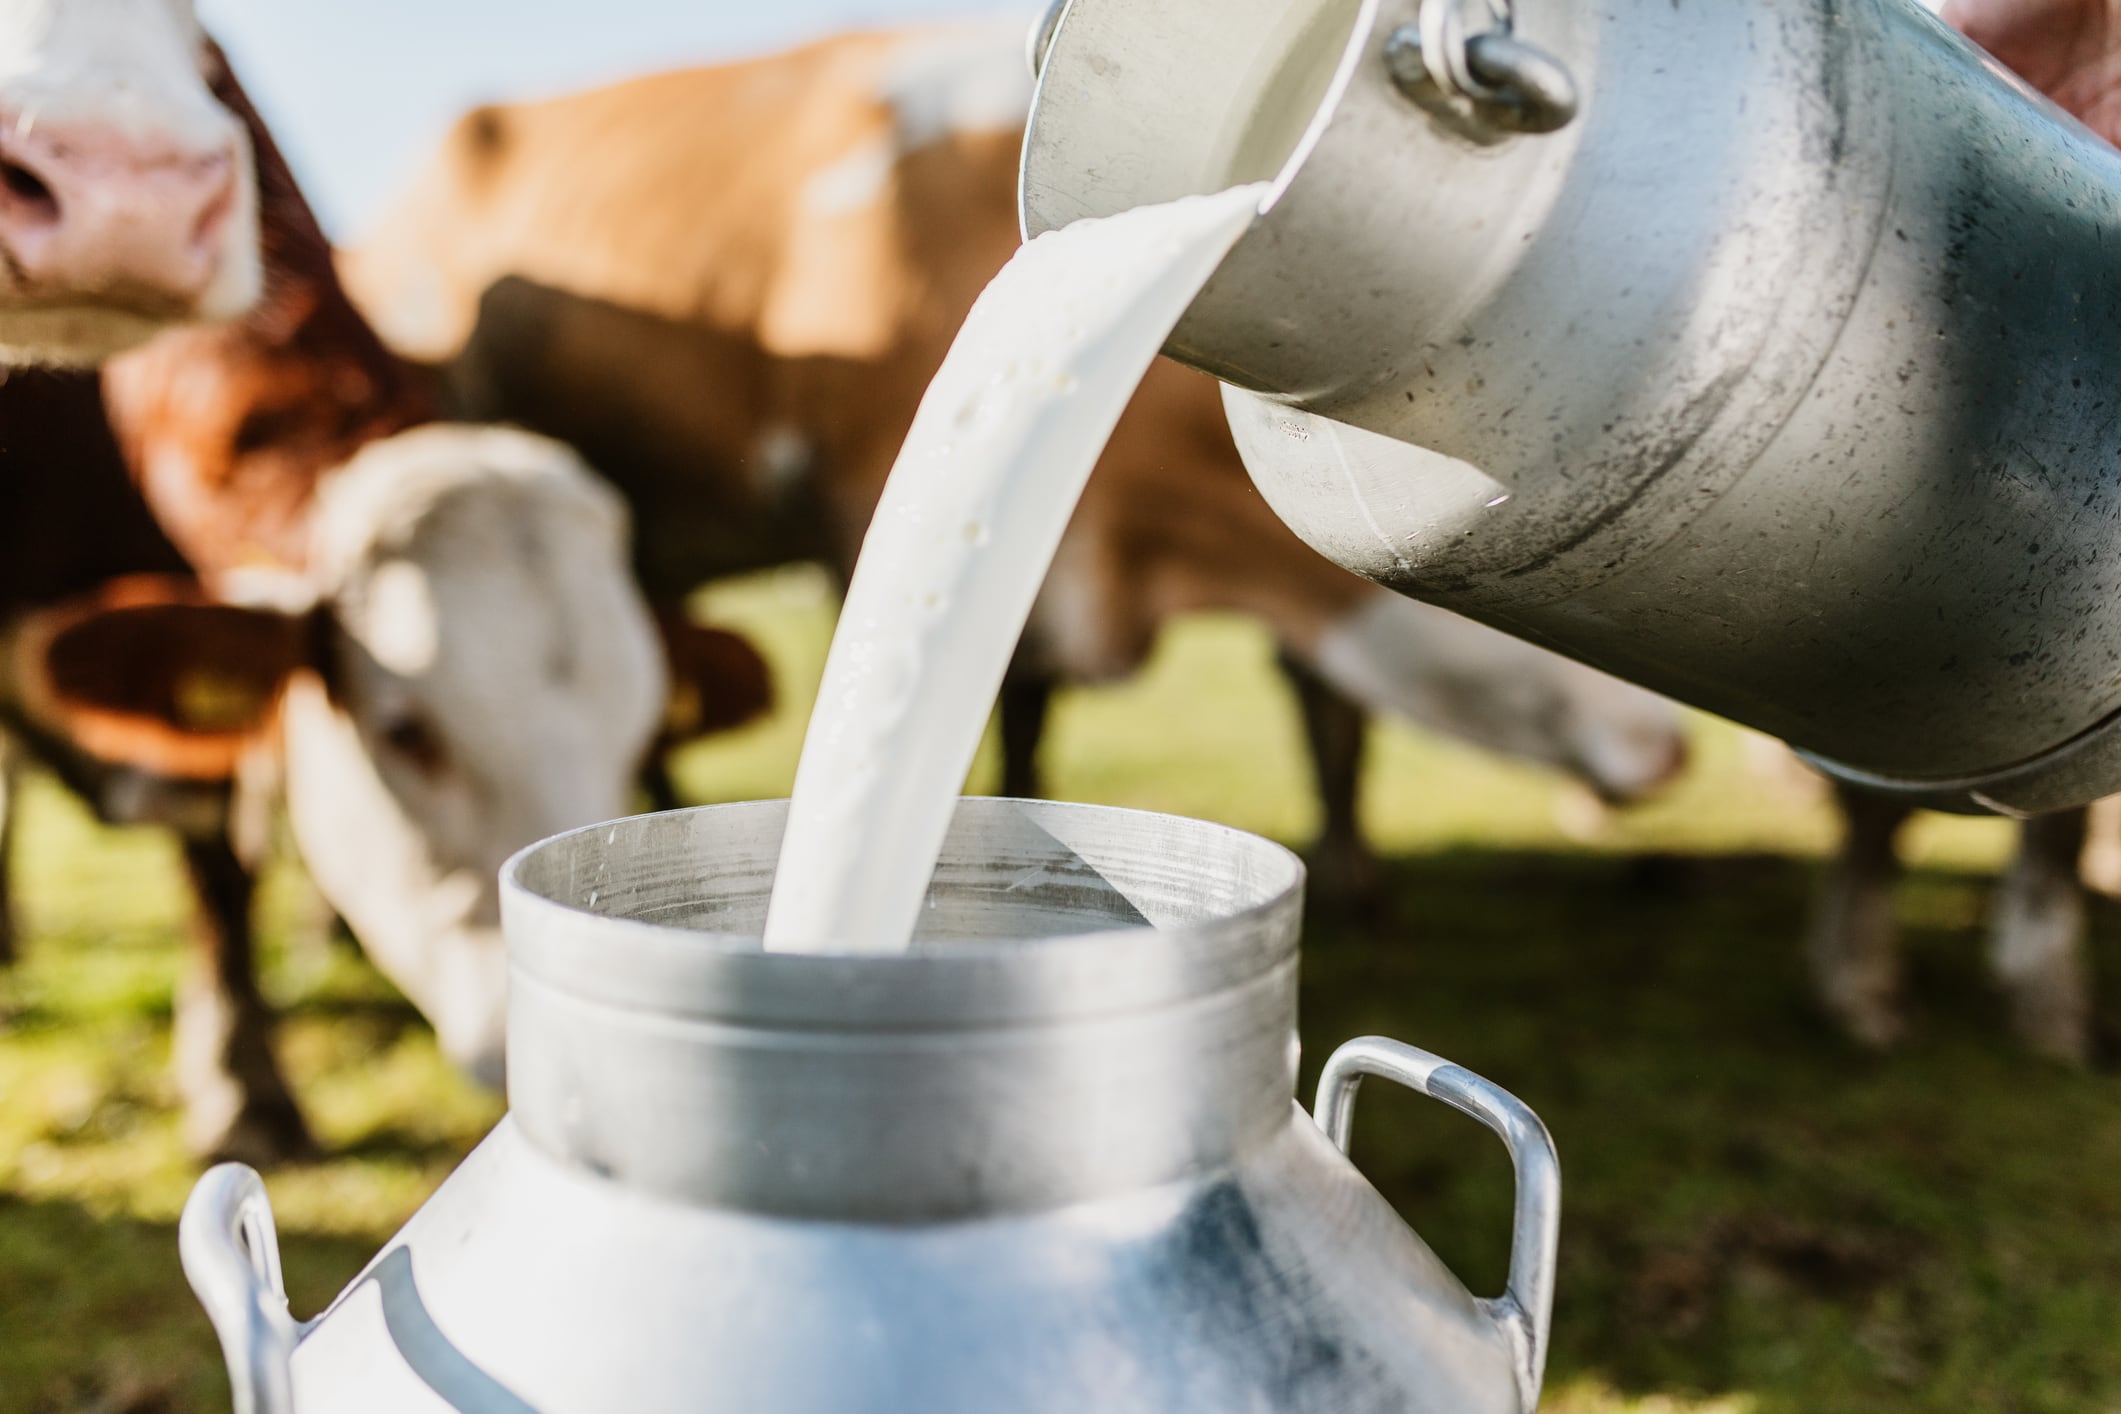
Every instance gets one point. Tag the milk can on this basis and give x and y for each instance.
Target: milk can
(1767, 352)
(1048, 1161)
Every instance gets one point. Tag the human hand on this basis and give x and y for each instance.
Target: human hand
(2068, 49)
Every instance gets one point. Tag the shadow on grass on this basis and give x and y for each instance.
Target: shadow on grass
(1753, 1204)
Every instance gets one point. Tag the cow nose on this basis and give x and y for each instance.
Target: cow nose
(92, 212)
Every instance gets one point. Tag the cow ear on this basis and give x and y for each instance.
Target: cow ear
(717, 679)
(150, 673)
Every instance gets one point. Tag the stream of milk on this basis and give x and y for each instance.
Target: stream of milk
(997, 457)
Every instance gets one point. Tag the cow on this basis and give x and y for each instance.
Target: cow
(126, 201)
(252, 559)
(728, 287)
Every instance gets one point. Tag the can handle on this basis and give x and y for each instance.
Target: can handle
(1476, 65)
(231, 1255)
(1040, 39)
(1525, 1309)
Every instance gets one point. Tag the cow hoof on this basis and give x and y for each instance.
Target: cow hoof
(264, 1134)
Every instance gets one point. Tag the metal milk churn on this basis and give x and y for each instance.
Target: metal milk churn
(1048, 1162)
(1766, 352)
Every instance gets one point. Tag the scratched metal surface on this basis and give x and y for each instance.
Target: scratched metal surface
(1778, 381)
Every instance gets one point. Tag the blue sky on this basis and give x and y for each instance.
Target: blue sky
(357, 90)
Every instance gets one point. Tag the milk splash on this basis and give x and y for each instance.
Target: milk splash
(997, 457)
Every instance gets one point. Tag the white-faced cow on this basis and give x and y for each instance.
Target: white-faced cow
(729, 287)
(441, 656)
(126, 199)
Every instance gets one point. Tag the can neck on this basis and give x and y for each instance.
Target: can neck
(1030, 1052)
(900, 1126)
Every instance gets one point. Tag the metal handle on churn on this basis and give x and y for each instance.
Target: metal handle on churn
(1525, 1308)
(1480, 65)
(1041, 37)
(231, 1256)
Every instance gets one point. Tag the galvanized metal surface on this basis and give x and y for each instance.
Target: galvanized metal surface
(1780, 379)
(976, 1076)
(1047, 1162)
(1466, 56)
(1526, 1306)
(231, 1256)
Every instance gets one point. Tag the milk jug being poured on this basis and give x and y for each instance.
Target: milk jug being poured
(1679, 358)
(1757, 352)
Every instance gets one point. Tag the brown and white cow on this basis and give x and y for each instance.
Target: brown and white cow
(729, 287)
(442, 655)
(126, 201)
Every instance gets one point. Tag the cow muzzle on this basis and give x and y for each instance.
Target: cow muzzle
(89, 214)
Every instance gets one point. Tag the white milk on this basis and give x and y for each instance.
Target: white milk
(997, 457)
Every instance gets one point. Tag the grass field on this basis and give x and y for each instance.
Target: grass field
(1760, 1219)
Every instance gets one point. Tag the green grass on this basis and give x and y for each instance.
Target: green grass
(1760, 1218)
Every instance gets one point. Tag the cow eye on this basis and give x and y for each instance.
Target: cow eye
(413, 738)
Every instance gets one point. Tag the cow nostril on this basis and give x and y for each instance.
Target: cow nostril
(28, 191)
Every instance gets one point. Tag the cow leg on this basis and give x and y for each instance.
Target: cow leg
(1026, 701)
(1855, 962)
(1344, 874)
(2037, 939)
(237, 1105)
(10, 801)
